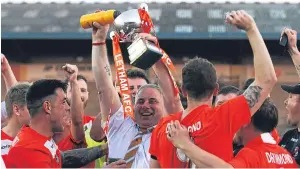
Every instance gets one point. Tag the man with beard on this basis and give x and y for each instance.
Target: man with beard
(128, 138)
(34, 147)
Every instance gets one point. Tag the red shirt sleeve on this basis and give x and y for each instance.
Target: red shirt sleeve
(246, 158)
(235, 112)
(28, 158)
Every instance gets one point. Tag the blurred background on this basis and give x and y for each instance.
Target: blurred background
(39, 36)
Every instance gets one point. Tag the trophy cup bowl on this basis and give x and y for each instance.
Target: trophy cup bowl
(142, 53)
(127, 25)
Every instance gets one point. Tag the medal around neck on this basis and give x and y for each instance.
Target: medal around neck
(142, 53)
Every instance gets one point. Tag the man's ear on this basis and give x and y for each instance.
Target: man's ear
(47, 106)
(16, 109)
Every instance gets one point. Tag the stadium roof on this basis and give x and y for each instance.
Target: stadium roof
(150, 1)
(171, 20)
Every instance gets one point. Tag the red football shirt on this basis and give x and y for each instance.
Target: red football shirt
(212, 129)
(33, 150)
(263, 152)
(6, 142)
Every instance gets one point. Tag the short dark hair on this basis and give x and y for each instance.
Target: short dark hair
(136, 73)
(247, 83)
(266, 117)
(41, 90)
(229, 89)
(16, 95)
(199, 78)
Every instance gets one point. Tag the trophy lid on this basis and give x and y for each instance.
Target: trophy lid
(127, 24)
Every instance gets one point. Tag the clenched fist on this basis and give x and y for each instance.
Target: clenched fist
(241, 19)
(70, 71)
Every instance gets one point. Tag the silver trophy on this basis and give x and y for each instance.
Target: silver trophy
(142, 53)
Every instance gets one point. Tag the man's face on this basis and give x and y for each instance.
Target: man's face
(148, 107)
(292, 104)
(135, 84)
(223, 98)
(59, 108)
(83, 90)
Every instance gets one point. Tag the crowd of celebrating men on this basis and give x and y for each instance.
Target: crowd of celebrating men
(44, 124)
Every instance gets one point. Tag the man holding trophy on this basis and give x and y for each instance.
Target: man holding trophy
(130, 124)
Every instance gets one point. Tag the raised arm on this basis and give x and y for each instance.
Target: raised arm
(83, 156)
(292, 48)
(71, 72)
(7, 73)
(172, 100)
(102, 73)
(265, 77)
